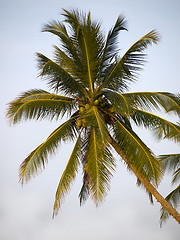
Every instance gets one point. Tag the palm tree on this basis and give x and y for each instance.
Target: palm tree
(89, 80)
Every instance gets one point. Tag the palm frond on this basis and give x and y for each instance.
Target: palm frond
(39, 104)
(85, 189)
(155, 100)
(125, 70)
(59, 29)
(89, 42)
(37, 159)
(56, 28)
(59, 78)
(118, 101)
(137, 152)
(94, 118)
(110, 50)
(160, 127)
(67, 177)
(174, 199)
(68, 63)
(99, 164)
(74, 18)
(171, 162)
(140, 184)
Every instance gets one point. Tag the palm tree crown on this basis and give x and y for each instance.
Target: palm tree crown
(89, 80)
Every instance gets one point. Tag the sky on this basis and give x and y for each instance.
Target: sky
(26, 213)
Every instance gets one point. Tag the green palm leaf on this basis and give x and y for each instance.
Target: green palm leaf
(37, 159)
(90, 43)
(171, 162)
(94, 118)
(154, 100)
(68, 176)
(56, 28)
(118, 101)
(85, 189)
(161, 127)
(137, 152)
(68, 63)
(99, 164)
(125, 70)
(110, 49)
(59, 29)
(58, 77)
(39, 104)
(173, 199)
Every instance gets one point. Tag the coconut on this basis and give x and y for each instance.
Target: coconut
(82, 110)
(96, 102)
(87, 106)
(84, 123)
(79, 123)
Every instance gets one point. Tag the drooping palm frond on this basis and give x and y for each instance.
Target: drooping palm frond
(67, 177)
(176, 107)
(39, 104)
(39, 157)
(154, 100)
(85, 189)
(137, 153)
(56, 28)
(125, 70)
(99, 164)
(171, 162)
(160, 127)
(173, 199)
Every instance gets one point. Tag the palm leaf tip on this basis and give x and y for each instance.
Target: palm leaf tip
(154, 35)
(68, 177)
(173, 199)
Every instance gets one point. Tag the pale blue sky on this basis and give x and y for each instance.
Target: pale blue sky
(25, 213)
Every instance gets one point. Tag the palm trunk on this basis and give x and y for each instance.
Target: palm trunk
(147, 184)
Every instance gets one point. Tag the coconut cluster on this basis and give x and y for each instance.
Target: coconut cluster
(81, 122)
(101, 103)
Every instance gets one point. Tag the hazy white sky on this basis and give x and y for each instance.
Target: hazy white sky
(25, 213)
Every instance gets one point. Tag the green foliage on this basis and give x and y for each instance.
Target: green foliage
(39, 104)
(88, 79)
(37, 159)
(125, 69)
(68, 176)
(173, 199)
(155, 100)
(98, 163)
(136, 151)
(160, 127)
(171, 162)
